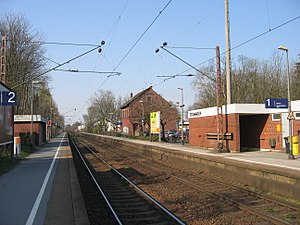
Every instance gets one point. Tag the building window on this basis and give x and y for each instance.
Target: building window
(297, 115)
(276, 117)
(149, 99)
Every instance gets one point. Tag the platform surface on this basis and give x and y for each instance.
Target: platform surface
(43, 189)
(269, 158)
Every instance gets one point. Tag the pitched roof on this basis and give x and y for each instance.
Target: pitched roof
(134, 98)
(3, 87)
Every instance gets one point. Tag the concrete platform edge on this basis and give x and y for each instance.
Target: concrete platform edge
(80, 213)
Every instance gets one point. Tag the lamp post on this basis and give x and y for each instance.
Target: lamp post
(290, 112)
(31, 111)
(143, 116)
(181, 106)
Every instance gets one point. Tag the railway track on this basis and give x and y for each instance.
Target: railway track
(247, 206)
(125, 202)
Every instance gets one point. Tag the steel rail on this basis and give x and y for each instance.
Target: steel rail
(138, 189)
(96, 183)
(240, 205)
(251, 210)
(259, 195)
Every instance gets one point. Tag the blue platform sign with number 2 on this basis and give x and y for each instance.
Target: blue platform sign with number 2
(8, 98)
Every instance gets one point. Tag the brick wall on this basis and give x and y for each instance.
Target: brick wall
(38, 129)
(200, 126)
(249, 132)
(140, 107)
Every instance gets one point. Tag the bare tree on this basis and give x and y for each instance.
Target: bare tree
(102, 109)
(24, 58)
(295, 87)
(253, 81)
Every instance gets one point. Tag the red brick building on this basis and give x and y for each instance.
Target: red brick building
(136, 112)
(22, 127)
(248, 127)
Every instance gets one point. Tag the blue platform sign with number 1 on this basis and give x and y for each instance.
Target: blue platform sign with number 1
(8, 98)
(276, 103)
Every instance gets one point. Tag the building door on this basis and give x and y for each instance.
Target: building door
(284, 127)
(136, 130)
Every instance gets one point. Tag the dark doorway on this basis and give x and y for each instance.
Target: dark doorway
(251, 127)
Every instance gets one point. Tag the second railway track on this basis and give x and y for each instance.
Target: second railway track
(125, 203)
(198, 198)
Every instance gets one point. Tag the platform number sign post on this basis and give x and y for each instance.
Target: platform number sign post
(276, 103)
(8, 98)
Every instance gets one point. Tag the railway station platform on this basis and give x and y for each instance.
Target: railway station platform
(277, 159)
(269, 171)
(43, 189)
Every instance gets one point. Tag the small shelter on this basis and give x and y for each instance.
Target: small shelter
(246, 127)
(23, 126)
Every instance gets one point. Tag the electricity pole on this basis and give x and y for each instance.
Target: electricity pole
(3, 60)
(228, 53)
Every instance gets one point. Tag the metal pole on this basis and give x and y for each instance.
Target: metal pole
(31, 115)
(228, 53)
(182, 105)
(50, 133)
(143, 117)
(291, 156)
(290, 112)
(219, 99)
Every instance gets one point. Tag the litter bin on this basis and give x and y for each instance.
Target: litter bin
(295, 144)
(287, 145)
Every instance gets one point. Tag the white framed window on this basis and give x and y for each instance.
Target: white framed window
(276, 117)
(297, 115)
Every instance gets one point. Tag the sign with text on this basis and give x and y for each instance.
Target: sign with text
(155, 122)
(276, 103)
(8, 98)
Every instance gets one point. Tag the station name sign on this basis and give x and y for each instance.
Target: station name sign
(8, 98)
(194, 114)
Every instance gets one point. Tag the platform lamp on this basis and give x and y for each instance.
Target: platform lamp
(31, 110)
(181, 106)
(143, 116)
(290, 112)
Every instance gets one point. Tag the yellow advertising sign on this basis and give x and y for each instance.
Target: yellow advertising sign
(278, 127)
(155, 122)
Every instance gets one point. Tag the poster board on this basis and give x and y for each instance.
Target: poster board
(7, 102)
(155, 122)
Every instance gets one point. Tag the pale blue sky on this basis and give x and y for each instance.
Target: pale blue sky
(195, 23)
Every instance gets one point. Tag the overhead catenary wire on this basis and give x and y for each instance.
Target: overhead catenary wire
(248, 41)
(67, 43)
(185, 32)
(142, 35)
(88, 71)
(190, 65)
(109, 37)
(113, 30)
(136, 42)
(198, 23)
(55, 67)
